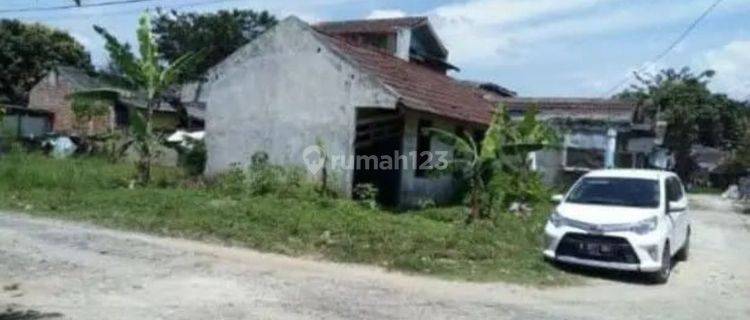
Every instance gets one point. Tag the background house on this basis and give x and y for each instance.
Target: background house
(595, 134)
(52, 93)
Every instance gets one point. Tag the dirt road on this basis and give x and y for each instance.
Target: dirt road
(75, 271)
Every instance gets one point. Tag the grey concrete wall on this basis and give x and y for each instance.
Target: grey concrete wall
(281, 93)
(440, 188)
(549, 164)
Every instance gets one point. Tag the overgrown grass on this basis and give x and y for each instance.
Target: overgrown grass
(296, 221)
(705, 190)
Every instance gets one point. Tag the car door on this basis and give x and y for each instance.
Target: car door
(684, 215)
(677, 212)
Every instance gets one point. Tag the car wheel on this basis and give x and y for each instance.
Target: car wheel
(662, 276)
(684, 253)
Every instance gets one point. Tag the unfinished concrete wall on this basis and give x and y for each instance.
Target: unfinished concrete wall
(549, 164)
(281, 93)
(440, 188)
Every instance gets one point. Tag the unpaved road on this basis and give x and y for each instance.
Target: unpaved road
(84, 272)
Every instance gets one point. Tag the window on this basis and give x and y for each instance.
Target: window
(584, 159)
(423, 148)
(627, 192)
(674, 190)
(478, 136)
(584, 151)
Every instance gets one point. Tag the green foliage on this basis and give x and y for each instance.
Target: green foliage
(193, 159)
(86, 109)
(694, 114)
(147, 75)
(219, 34)
(366, 194)
(432, 242)
(495, 169)
(739, 163)
(263, 177)
(29, 51)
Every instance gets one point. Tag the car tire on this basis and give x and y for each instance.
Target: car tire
(662, 276)
(684, 252)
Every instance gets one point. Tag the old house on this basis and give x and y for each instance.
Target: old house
(51, 94)
(595, 134)
(363, 89)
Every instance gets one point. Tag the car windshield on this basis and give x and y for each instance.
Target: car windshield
(628, 192)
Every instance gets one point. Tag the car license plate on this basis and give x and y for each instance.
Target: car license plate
(592, 248)
(596, 249)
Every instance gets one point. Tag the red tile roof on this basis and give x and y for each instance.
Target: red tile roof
(419, 88)
(369, 26)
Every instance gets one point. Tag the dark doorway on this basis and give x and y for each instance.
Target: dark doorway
(379, 136)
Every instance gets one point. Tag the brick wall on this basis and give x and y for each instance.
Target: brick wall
(50, 94)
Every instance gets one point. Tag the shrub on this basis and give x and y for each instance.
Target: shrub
(263, 178)
(192, 159)
(366, 195)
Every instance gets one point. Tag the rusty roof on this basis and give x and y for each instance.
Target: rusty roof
(418, 87)
(370, 26)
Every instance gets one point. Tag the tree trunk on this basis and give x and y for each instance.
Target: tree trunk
(144, 163)
(475, 198)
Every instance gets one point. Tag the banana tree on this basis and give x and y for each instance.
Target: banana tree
(146, 77)
(503, 150)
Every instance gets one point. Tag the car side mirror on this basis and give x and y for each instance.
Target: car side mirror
(673, 206)
(557, 198)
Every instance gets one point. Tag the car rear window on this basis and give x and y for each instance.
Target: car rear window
(627, 192)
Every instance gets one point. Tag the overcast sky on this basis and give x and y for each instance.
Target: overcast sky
(535, 47)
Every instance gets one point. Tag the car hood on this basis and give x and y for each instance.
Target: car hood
(603, 215)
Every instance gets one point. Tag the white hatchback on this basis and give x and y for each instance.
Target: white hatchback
(624, 219)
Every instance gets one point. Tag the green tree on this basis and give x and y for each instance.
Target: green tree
(147, 76)
(28, 51)
(219, 34)
(693, 113)
(500, 158)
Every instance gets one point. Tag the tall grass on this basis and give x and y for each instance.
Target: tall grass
(293, 220)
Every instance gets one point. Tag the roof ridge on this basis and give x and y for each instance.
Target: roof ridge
(417, 19)
(384, 53)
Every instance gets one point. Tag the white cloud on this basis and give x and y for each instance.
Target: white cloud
(732, 65)
(500, 32)
(82, 39)
(382, 14)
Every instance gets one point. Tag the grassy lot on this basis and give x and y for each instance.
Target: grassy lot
(296, 221)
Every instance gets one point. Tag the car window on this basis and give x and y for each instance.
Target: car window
(674, 189)
(628, 192)
(669, 186)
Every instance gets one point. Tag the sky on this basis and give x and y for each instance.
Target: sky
(580, 48)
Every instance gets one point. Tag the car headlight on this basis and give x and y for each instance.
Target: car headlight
(556, 219)
(645, 226)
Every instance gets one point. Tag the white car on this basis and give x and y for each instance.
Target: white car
(624, 219)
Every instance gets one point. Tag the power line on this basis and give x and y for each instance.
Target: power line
(73, 6)
(671, 47)
(49, 18)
